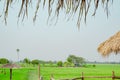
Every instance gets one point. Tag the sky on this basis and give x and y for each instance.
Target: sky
(47, 41)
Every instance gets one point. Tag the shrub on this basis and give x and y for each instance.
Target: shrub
(59, 63)
(35, 61)
(4, 61)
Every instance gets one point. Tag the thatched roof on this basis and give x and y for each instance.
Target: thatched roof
(110, 45)
(70, 7)
(10, 66)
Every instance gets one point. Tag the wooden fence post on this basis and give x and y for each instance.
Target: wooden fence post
(113, 75)
(82, 76)
(38, 71)
(10, 73)
(52, 77)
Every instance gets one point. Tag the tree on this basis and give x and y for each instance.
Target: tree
(50, 63)
(4, 61)
(71, 7)
(35, 61)
(68, 64)
(69, 59)
(77, 61)
(59, 63)
(26, 60)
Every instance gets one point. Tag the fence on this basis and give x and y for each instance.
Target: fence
(113, 77)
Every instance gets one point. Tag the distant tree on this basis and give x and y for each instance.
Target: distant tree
(26, 60)
(67, 64)
(50, 63)
(4, 61)
(35, 61)
(59, 63)
(69, 59)
(41, 62)
(77, 61)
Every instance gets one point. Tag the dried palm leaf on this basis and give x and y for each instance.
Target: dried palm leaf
(37, 7)
(44, 3)
(23, 2)
(6, 11)
(110, 45)
(96, 2)
(70, 6)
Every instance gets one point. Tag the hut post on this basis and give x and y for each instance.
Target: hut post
(10, 73)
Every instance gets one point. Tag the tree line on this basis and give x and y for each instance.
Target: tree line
(71, 61)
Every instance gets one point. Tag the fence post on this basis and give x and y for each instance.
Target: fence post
(52, 77)
(38, 71)
(113, 75)
(82, 76)
(10, 73)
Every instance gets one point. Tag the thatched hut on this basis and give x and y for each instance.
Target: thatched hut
(110, 45)
(9, 65)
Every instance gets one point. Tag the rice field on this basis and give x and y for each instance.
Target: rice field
(31, 73)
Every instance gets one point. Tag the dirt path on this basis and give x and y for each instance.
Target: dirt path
(33, 75)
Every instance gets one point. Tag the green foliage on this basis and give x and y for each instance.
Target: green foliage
(69, 59)
(26, 60)
(59, 63)
(4, 61)
(94, 65)
(35, 61)
(68, 64)
(77, 61)
(50, 63)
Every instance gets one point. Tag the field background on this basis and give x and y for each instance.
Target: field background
(31, 73)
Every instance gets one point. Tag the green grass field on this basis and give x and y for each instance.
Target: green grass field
(63, 72)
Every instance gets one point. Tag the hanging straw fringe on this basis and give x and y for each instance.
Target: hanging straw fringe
(70, 6)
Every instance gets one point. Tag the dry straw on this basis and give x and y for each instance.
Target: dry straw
(70, 6)
(110, 45)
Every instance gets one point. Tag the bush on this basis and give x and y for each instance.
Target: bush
(4, 61)
(68, 64)
(59, 63)
(35, 61)
(26, 60)
(94, 65)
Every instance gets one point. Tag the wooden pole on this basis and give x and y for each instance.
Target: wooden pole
(10, 73)
(38, 71)
(51, 77)
(82, 76)
(113, 75)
